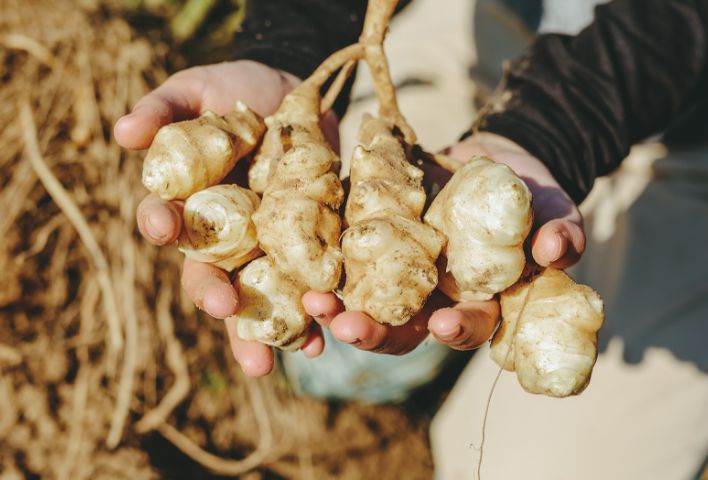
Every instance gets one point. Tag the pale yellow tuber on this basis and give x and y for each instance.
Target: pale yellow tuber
(485, 213)
(298, 222)
(186, 157)
(389, 254)
(218, 228)
(270, 307)
(548, 333)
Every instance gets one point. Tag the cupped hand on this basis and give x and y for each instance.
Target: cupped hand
(557, 240)
(186, 95)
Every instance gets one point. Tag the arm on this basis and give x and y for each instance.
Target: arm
(568, 111)
(579, 103)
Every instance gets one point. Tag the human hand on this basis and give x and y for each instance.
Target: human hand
(557, 240)
(186, 95)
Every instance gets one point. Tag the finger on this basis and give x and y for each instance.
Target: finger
(255, 359)
(160, 222)
(363, 332)
(179, 98)
(466, 325)
(323, 307)
(209, 288)
(315, 343)
(558, 243)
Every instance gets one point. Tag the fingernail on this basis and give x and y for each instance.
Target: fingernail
(153, 230)
(450, 334)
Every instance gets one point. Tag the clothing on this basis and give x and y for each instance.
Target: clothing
(576, 103)
(579, 103)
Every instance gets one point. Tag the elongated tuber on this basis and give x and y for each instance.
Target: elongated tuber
(548, 333)
(218, 228)
(298, 222)
(389, 254)
(485, 213)
(270, 306)
(186, 157)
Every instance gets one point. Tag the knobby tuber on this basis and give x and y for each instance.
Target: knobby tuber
(485, 213)
(217, 226)
(389, 254)
(270, 306)
(548, 333)
(189, 156)
(298, 222)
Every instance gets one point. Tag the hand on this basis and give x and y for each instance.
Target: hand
(183, 96)
(557, 240)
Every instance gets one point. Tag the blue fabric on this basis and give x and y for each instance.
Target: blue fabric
(343, 372)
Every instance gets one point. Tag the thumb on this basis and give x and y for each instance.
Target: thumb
(177, 99)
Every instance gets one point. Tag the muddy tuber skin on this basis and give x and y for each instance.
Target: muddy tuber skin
(217, 227)
(485, 213)
(389, 254)
(548, 333)
(270, 310)
(186, 157)
(298, 222)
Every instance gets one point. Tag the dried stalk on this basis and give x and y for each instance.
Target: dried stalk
(174, 356)
(67, 205)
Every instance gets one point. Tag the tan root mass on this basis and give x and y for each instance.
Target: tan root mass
(548, 333)
(217, 226)
(389, 253)
(485, 212)
(189, 156)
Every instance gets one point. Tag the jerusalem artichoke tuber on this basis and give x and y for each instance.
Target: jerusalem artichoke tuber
(485, 212)
(186, 157)
(218, 228)
(389, 253)
(270, 306)
(297, 222)
(548, 333)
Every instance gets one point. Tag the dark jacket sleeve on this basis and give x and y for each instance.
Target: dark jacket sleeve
(296, 35)
(579, 103)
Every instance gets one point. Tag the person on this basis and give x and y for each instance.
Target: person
(281, 42)
(567, 112)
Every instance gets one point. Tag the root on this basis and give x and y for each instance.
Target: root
(62, 198)
(378, 15)
(174, 356)
(337, 85)
(127, 377)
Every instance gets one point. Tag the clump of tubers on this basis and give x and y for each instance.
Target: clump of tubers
(217, 227)
(479, 221)
(270, 306)
(548, 333)
(389, 253)
(189, 156)
(485, 213)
